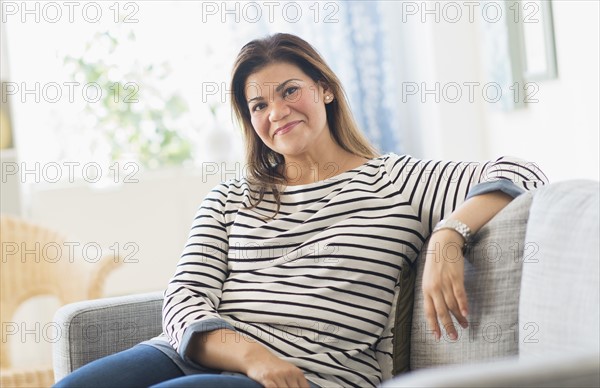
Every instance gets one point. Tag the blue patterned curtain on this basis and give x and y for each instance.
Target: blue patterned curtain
(351, 38)
(373, 104)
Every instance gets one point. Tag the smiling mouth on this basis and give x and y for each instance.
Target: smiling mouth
(286, 128)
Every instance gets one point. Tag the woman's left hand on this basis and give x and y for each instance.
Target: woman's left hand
(443, 283)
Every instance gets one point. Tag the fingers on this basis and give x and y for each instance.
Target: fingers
(276, 383)
(444, 317)
(442, 300)
(286, 382)
(431, 316)
(269, 384)
(297, 382)
(462, 304)
(280, 374)
(439, 313)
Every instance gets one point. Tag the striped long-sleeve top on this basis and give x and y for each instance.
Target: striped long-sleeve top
(317, 284)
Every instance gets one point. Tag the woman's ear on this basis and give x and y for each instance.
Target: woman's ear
(327, 92)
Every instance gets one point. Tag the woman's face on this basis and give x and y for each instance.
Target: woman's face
(287, 109)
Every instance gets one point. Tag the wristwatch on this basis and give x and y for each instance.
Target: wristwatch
(458, 226)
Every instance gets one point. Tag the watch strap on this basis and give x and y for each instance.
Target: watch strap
(458, 226)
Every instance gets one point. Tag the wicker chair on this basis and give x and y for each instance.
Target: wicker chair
(36, 262)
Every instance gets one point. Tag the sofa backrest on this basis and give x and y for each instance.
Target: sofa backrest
(559, 306)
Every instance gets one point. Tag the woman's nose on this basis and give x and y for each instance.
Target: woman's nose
(279, 110)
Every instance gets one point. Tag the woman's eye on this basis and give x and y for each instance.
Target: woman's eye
(291, 90)
(258, 107)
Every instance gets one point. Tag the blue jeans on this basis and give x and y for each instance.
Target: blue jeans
(145, 366)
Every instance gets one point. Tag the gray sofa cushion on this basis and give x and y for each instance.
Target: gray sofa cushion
(560, 288)
(492, 281)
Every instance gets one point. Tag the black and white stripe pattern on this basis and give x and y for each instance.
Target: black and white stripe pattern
(316, 285)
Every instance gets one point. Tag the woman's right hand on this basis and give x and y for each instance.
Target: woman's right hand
(273, 372)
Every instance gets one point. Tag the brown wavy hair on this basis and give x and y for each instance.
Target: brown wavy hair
(262, 162)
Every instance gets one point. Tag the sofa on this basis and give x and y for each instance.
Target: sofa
(532, 281)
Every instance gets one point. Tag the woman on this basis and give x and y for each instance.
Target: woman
(289, 276)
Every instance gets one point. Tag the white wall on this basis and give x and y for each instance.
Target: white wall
(433, 54)
(559, 133)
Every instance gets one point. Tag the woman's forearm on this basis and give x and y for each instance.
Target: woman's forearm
(225, 349)
(229, 350)
(477, 211)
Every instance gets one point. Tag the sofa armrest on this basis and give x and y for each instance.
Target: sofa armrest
(96, 328)
(569, 370)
